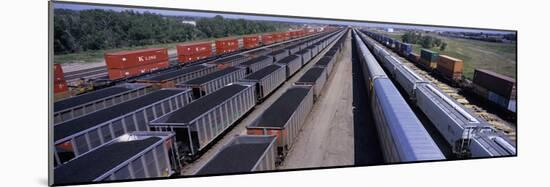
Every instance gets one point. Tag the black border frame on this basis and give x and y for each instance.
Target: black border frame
(50, 90)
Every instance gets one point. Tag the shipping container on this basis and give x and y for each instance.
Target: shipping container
(136, 155)
(292, 63)
(58, 75)
(115, 74)
(136, 58)
(268, 39)
(450, 68)
(81, 135)
(286, 36)
(80, 105)
(285, 117)
(170, 79)
(267, 79)
(250, 42)
(211, 82)
(315, 77)
(414, 58)
(257, 63)
(198, 124)
(427, 64)
(429, 55)
(406, 49)
(243, 154)
(231, 61)
(497, 83)
(306, 56)
(193, 52)
(226, 46)
(326, 62)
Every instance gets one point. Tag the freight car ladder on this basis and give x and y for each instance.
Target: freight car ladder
(462, 147)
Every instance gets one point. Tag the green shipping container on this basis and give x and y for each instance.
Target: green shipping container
(428, 55)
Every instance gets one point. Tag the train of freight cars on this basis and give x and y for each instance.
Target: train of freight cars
(468, 135)
(152, 138)
(128, 64)
(498, 89)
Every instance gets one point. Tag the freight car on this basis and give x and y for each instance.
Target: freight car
(305, 54)
(135, 155)
(127, 64)
(77, 106)
(193, 52)
(243, 154)
(292, 64)
(198, 124)
(257, 63)
(170, 79)
(224, 46)
(250, 42)
(403, 138)
(231, 61)
(211, 82)
(81, 135)
(450, 68)
(267, 80)
(315, 77)
(279, 54)
(457, 124)
(284, 118)
(60, 89)
(496, 88)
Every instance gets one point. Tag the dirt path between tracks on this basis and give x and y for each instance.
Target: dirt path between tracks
(326, 138)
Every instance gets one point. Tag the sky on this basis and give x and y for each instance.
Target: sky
(72, 6)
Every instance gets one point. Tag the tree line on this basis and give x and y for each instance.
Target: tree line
(426, 41)
(78, 31)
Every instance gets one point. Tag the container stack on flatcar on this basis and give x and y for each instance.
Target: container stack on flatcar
(60, 89)
(193, 52)
(455, 123)
(250, 42)
(428, 59)
(224, 46)
(496, 88)
(125, 64)
(450, 68)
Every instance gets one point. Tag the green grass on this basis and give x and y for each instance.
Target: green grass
(498, 57)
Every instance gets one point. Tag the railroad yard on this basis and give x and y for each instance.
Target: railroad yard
(304, 98)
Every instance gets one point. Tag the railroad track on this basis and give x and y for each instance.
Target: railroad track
(453, 92)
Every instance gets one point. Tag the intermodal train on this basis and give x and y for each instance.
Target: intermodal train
(466, 134)
(498, 89)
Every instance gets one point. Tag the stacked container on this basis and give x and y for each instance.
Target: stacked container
(495, 87)
(450, 68)
(127, 64)
(250, 42)
(268, 39)
(226, 46)
(193, 52)
(428, 59)
(60, 88)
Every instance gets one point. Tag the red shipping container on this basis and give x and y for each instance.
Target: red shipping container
(251, 42)
(226, 46)
(193, 49)
(286, 36)
(134, 71)
(279, 37)
(58, 75)
(268, 39)
(136, 58)
(194, 57)
(60, 87)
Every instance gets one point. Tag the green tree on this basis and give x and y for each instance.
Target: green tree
(443, 46)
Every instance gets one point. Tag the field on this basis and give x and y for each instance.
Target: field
(499, 57)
